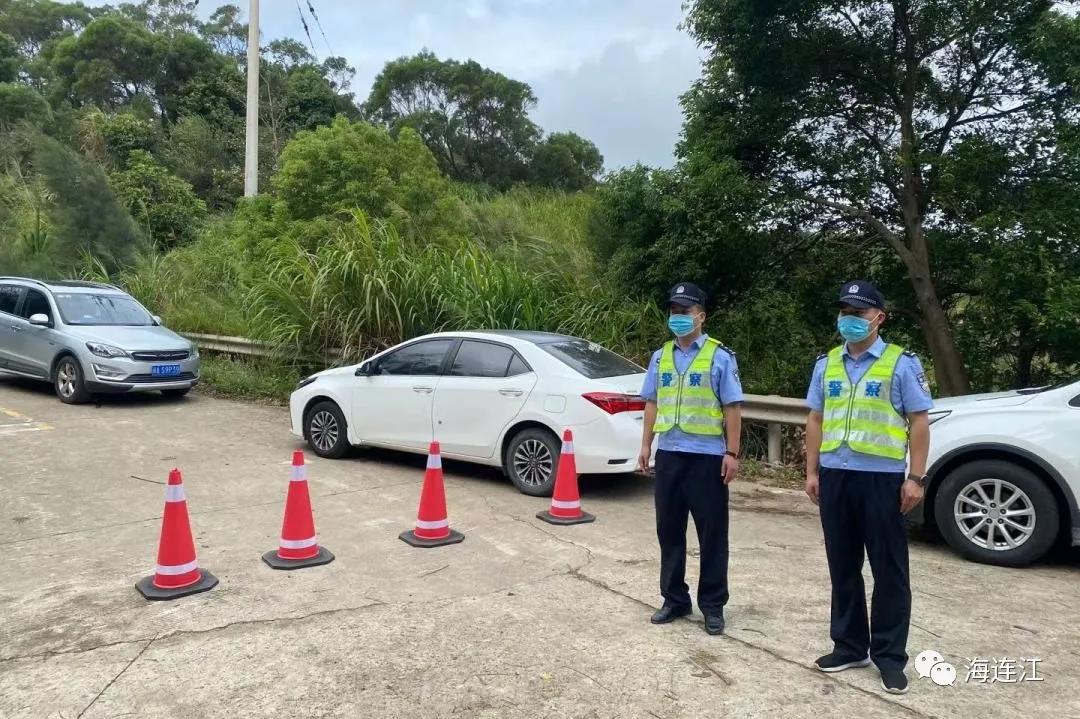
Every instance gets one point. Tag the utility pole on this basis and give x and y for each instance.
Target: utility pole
(251, 148)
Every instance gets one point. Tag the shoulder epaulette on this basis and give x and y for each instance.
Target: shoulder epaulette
(821, 356)
(909, 353)
(720, 345)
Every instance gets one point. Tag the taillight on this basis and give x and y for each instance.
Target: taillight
(613, 403)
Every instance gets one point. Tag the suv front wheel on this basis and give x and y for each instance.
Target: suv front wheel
(997, 512)
(68, 382)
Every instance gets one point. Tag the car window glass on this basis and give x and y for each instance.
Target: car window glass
(590, 359)
(517, 366)
(481, 359)
(35, 303)
(9, 298)
(422, 358)
(81, 308)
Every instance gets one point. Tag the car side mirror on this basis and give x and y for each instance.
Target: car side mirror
(157, 320)
(40, 320)
(367, 369)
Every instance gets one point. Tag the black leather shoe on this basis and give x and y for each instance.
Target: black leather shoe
(714, 623)
(666, 614)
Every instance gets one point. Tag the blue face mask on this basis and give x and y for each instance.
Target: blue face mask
(853, 328)
(681, 325)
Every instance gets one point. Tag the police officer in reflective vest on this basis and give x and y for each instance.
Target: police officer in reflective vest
(693, 395)
(868, 413)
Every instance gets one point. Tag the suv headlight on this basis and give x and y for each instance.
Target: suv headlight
(306, 382)
(194, 351)
(940, 414)
(103, 350)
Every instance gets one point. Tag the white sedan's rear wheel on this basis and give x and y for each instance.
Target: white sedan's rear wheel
(531, 460)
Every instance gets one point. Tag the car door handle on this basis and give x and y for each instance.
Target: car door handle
(16, 328)
(423, 390)
(511, 392)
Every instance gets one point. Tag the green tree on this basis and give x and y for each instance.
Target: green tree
(165, 206)
(21, 103)
(9, 58)
(85, 217)
(111, 138)
(474, 120)
(34, 23)
(226, 33)
(116, 60)
(205, 157)
(350, 165)
(844, 112)
(165, 16)
(566, 161)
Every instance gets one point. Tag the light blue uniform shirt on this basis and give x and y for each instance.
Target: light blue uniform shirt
(910, 393)
(725, 383)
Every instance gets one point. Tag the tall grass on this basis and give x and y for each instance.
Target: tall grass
(367, 287)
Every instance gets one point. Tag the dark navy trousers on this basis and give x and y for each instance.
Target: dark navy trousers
(860, 512)
(691, 484)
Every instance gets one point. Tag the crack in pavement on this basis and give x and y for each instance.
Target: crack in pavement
(113, 680)
(372, 603)
(750, 645)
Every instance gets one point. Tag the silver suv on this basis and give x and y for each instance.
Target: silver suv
(89, 338)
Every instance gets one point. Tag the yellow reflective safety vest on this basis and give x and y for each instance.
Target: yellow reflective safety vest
(862, 414)
(688, 400)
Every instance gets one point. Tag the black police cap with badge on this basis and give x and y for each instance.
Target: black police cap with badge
(860, 294)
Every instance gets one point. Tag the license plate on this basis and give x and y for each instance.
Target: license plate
(165, 370)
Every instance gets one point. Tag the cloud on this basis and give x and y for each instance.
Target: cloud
(626, 101)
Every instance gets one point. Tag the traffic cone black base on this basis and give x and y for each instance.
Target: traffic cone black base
(552, 519)
(147, 589)
(323, 557)
(412, 540)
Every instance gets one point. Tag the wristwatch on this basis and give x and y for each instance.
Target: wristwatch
(919, 479)
(729, 453)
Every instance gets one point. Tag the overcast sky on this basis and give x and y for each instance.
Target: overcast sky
(611, 70)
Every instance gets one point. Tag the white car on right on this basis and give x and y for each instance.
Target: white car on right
(1004, 473)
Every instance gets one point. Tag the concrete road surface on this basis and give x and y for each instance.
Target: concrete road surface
(523, 619)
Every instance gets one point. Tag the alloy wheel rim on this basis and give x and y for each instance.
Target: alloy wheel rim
(533, 462)
(324, 431)
(994, 514)
(66, 379)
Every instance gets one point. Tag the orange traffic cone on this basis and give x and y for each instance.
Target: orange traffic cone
(565, 500)
(177, 573)
(432, 524)
(299, 545)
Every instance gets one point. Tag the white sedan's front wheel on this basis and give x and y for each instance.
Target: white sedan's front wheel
(326, 431)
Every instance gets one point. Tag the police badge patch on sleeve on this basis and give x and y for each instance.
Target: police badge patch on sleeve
(924, 382)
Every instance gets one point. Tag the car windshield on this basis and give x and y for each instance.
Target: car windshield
(81, 308)
(590, 359)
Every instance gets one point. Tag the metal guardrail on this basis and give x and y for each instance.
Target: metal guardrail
(773, 410)
(241, 346)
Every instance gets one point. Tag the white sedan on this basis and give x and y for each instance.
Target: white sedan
(1004, 478)
(500, 398)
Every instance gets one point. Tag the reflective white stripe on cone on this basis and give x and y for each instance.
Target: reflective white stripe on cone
(177, 569)
(297, 543)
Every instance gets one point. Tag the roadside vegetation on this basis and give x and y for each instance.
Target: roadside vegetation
(437, 203)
